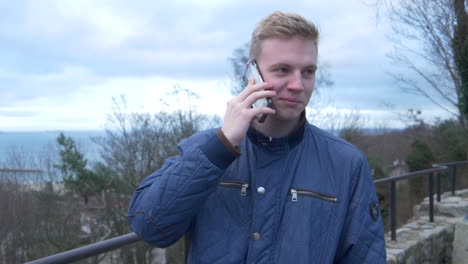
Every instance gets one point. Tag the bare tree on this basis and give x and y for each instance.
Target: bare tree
(460, 50)
(431, 40)
(135, 145)
(36, 220)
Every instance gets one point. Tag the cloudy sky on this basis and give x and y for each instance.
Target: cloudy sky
(61, 62)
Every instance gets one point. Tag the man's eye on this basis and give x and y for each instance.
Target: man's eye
(282, 70)
(310, 72)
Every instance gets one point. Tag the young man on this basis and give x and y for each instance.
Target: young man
(281, 191)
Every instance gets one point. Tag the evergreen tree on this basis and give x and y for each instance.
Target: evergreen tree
(420, 157)
(77, 178)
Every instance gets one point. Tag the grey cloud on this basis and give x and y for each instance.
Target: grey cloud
(178, 27)
(176, 39)
(45, 53)
(21, 88)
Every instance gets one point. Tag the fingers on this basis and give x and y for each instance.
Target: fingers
(246, 105)
(239, 113)
(263, 110)
(253, 97)
(251, 88)
(253, 92)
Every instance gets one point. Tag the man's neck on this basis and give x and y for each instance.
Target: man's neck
(273, 127)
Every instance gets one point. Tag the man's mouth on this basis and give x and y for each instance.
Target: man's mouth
(290, 101)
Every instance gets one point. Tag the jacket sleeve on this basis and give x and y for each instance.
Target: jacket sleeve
(165, 203)
(362, 238)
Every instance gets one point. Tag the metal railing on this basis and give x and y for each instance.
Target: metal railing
(120, 241)
(20, 170)
(437, 168)
(89, 250)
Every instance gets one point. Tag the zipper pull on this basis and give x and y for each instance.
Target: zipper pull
(244, 189)
(293, 195)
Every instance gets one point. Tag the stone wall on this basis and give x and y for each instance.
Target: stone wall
(420, 241)
(460, 243)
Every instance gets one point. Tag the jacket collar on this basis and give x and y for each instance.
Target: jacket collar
(290, 140)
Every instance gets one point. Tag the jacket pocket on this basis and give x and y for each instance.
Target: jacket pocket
(298, 192)
(307, 221)
(236, 184)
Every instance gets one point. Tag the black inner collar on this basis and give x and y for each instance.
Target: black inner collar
(291, 140)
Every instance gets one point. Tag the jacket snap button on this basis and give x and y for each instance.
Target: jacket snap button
(256, 236)
(261, 190)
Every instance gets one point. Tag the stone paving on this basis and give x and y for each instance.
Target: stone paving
(420, 241)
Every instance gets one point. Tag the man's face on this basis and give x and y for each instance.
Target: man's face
(289, 65)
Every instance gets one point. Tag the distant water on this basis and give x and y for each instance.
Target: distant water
(34, 143)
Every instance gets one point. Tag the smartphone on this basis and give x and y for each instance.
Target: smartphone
(253, 72)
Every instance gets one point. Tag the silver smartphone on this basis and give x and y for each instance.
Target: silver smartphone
(253, 72)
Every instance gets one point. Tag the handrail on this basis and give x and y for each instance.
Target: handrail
(117, 242)
(20, 170)
(89, 250)
(436, 168)
(409, 175)
(454, 163)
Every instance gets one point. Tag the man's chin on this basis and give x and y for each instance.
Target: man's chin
(287, 116)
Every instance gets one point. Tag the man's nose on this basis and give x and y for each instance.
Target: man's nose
(295, 82)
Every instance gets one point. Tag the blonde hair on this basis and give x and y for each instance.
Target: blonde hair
(284, 26)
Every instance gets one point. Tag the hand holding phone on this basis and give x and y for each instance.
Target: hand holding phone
(240, 110)
(253, 72)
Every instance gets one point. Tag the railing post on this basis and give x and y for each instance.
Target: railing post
(393, 210)
(431, 197)
(438, 187)
(454, 178)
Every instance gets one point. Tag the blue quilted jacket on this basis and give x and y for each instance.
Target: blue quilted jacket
(304, 198)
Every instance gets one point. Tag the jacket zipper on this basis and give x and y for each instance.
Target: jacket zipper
(296, 192)
(233, 184)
